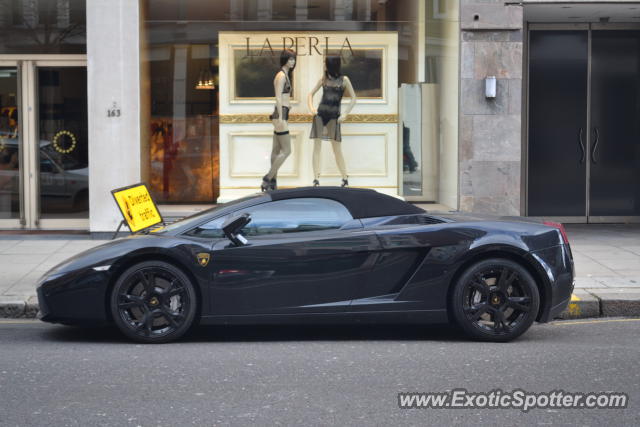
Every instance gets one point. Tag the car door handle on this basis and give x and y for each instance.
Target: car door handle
(595, 146)
(582, 150)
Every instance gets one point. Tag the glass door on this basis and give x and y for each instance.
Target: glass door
(10, 146)
(558, 76)
(61, 150)
(615, 128)
(43, 145)
(583, 137)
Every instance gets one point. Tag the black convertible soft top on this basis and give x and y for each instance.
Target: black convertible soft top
(361, 202)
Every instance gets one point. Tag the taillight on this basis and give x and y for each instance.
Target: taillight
(559, 227)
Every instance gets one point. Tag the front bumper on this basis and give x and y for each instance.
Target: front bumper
(77, 297)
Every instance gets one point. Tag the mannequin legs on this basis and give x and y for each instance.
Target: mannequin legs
(275, 148)
(284, 143)
(317, 149)
(337, 152)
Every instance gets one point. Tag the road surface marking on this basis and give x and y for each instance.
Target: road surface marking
(596, 321)
(17, 322)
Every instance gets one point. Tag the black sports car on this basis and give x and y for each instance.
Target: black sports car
(318, 255)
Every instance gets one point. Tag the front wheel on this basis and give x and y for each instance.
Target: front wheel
(153, 302)
(495, 300)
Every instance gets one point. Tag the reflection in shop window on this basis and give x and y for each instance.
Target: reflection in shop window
(183, 121)
(364, 68)
(253, 73)
(183, 146)
(440, 9)
(44, 26)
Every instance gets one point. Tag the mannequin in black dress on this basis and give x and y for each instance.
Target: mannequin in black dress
(281, 147)
(328, 117)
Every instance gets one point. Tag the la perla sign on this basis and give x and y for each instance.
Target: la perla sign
(303, 46)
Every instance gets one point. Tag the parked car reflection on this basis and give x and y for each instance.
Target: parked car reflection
(64, 181)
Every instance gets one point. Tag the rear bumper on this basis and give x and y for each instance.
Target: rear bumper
(555, 264)
(557, 309)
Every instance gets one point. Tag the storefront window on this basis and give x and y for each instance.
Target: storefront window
(208, 71)
(43, 26)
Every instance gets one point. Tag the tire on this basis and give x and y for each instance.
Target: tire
(495, 300)
(153, 302)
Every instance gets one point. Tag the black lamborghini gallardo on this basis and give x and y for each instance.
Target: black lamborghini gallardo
(318, 255)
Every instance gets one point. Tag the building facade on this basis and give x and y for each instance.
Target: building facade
(467, 105)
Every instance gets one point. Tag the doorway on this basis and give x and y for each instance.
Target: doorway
(44, 180)
(583, 153)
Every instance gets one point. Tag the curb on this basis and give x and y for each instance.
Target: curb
(18, 308)
(583, 304)
(619, 302)
(603, 302)
(608, 302)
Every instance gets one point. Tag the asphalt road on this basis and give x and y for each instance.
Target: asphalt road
(55, 375)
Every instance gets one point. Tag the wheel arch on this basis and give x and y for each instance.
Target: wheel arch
(513, 254)
(123, 264)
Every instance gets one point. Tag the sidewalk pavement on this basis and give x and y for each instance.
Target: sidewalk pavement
(607, 259)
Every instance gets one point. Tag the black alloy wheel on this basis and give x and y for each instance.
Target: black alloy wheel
(495, 300)
(153, 302)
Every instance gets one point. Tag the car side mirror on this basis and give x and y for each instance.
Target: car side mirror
(232, 226)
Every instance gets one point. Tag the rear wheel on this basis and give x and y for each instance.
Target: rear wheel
(153, 302)
(495, 300)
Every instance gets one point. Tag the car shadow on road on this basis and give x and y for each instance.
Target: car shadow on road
(272, 333)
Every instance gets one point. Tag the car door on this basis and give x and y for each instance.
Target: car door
(304, 256)
(402, 253)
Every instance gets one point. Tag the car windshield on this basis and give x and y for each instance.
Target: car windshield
(196, 218)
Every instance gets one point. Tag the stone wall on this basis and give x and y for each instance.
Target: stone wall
(490, 129)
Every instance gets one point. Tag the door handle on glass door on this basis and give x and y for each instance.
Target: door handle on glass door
(581, 146)
(595, 146)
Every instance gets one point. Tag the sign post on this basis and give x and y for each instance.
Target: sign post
(137, 207)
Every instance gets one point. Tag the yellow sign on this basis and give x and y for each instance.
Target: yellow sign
(137, 207)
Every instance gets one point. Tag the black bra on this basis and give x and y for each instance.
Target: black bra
(287, 83)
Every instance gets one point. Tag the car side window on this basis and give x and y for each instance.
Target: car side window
(46, 165)
(284, 216)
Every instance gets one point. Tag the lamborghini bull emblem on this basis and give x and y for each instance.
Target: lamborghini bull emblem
(203, 259)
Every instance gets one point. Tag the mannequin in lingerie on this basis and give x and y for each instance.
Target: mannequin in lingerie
(281, 148)
(328, 117)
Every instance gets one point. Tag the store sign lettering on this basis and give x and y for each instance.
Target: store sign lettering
(303, 46)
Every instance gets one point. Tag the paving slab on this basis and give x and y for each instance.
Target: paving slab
(24, 286)
(613, 253)
(619, 282)
(588, 282)
(620, 264)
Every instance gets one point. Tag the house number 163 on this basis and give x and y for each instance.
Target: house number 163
(114, 111)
